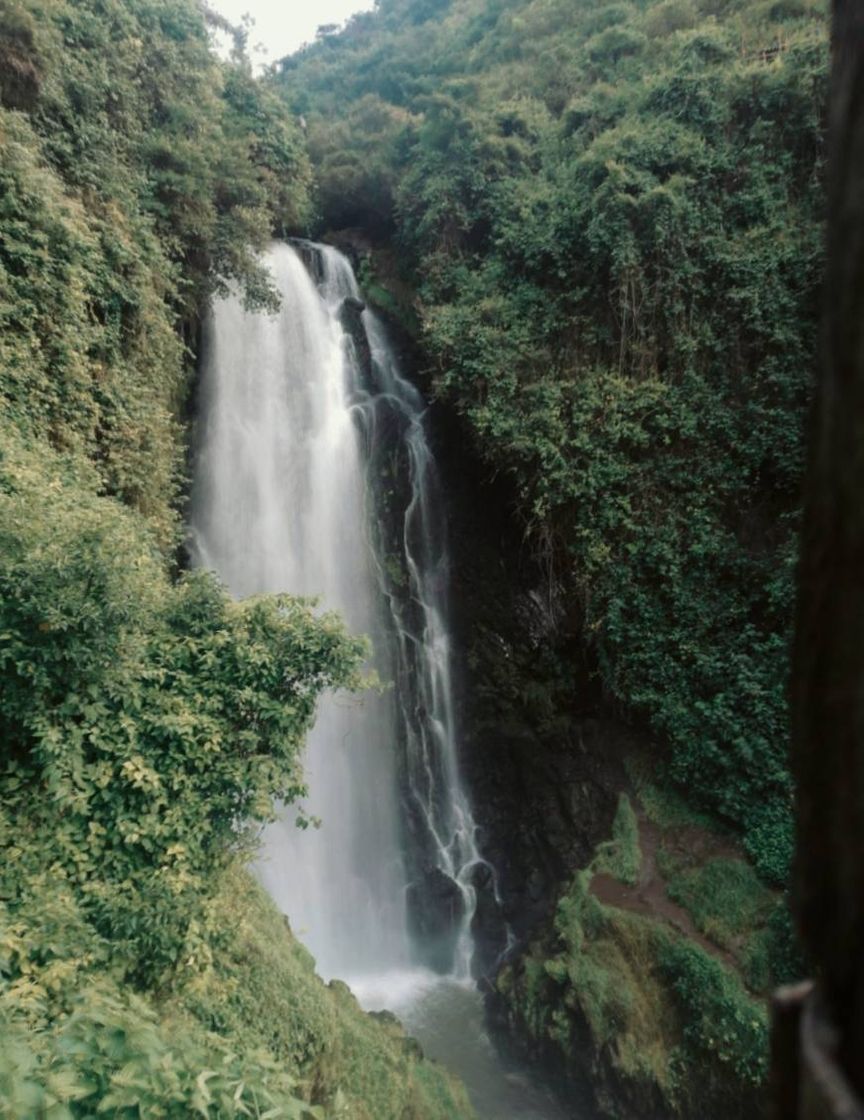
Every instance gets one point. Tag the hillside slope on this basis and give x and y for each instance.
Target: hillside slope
(148, 722)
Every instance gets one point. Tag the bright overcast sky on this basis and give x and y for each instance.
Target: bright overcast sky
(281, 26)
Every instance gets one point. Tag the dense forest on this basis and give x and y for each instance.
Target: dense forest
(612, 216)
(599, 228)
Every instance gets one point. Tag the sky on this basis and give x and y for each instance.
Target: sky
(281, 26)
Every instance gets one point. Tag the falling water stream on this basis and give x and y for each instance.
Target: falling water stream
(314, 476)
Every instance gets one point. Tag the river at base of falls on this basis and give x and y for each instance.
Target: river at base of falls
(447, 1019)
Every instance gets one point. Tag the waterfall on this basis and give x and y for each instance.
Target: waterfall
(314, 476)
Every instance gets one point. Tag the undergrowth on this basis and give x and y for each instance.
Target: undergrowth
(660, 1013)
(621, 856)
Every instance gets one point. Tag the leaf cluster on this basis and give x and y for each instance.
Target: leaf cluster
(721, 1021)
(145, 725)
(138, 176)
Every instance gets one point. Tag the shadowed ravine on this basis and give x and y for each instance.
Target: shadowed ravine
(314, 476)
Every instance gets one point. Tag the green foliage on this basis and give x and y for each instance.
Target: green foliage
(730, 904)
(671, 1021)
(773, 954)
(725, 898)
(770, 839)
(248, 1029)
(153, 721)
(21, 72)
(112, 1054)
(89, 359)
(139, 175)
(136, 109)
(354, 163)
(624, 991)
(621, 856)
(583, 928)
(721, 1021)
(666, 806)
(259, 989)
(635, 985)
(613, 218)
(148, 725)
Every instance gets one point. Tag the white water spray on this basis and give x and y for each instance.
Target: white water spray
(294, 430)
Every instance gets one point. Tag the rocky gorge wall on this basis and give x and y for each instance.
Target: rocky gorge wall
(608, 985)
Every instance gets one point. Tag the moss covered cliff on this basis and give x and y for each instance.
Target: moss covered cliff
(646, 995)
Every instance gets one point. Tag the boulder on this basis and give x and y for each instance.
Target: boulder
(436, 910)
(488, 927)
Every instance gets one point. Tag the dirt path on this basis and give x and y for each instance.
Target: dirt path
(649, 898)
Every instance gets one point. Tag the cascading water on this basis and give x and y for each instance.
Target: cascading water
(408, 545)
(314, 476)
(286, 499)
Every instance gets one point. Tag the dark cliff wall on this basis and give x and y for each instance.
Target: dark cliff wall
(584, 956)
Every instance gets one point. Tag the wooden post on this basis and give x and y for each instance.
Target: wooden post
(827, 690)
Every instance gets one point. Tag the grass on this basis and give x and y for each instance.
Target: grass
(723, 893)
(621, 856)
(670, 1019)
(664, 806)
(726, 899)
(604, 963)
(722, 1024)
(260, 990)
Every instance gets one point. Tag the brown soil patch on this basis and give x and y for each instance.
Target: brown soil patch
(648, 897)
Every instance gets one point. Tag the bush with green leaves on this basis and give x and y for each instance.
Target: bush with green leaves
(725, 898)
(148, 723)
(245, 1027)
(731, 905)
(720, 1020)
(621, 856)
(148, 729)
(138, 115)
(138, 176)
(145, 725)
(113, 1055)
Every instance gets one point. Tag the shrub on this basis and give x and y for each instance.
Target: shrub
(722, 1023)
(145, 725)
(621, 856)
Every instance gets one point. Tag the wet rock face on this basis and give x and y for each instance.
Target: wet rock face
(350, 316)
(488, 928)
(436, 910)
(542, 807)
(541, 754)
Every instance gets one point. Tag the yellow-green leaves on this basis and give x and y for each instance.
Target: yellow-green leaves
(145, 724)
